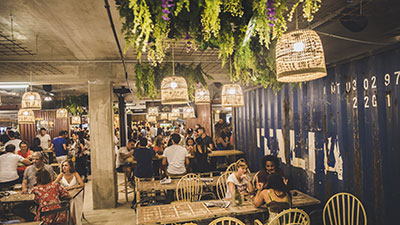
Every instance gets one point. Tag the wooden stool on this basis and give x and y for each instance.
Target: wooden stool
(126, 187)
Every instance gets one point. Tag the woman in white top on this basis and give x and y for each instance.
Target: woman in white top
(70, 179)
(240, 181)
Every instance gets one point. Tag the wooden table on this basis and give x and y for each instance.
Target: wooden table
(189, 211)
(196, 211)
(19, 197)
(218, 153)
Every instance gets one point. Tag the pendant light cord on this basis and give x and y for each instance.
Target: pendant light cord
(107, 6)
(297, 22)
(173, 62)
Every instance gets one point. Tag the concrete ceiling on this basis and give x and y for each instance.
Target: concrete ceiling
(68, 37)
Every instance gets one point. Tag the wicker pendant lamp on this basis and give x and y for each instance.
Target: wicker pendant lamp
(171, 117)
(164, 116)
(188, 112)
(75, 120)
(175, 112)
(151, 118)
(26, 116)
(299, 56)
(232, 95)
(61, 113)
(202, 96)
(174, 89)
(152, 111)
(30, 99)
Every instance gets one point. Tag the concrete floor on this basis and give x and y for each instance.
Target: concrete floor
(123, 214)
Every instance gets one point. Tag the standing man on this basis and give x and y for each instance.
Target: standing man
(160, 131)
(207, 141)
(153, 132)
(60, 146)
(45, 139)
(176, 157)
(13, 140)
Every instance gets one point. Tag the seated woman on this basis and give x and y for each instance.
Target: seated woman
(158, 145)
(47, 193)
(271, 166)
(240, 181)
(70, 179)
(190, 145)
(276, 195)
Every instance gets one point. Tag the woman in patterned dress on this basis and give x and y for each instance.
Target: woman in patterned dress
(47, 193)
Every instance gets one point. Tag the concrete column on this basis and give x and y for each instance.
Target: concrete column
(102, 146)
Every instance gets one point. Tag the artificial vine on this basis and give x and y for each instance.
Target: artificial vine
(148, 86)
(244, 32)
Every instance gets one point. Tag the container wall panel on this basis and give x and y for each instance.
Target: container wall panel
(336, 134)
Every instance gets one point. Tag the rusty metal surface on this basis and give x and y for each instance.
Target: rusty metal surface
(339, 133)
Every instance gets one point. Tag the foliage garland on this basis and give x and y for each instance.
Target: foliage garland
(244, 32)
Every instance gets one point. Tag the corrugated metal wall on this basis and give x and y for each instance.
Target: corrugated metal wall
(339, 133)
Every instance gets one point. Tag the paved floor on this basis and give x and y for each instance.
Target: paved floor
(123, 214)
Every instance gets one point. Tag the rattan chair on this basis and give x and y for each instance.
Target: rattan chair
(137, 194)
(344, 208)
(291, 217)
(233, 167)
(221, 185)
(229, 220)
(189, 188)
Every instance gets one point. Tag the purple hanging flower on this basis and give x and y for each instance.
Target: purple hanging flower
(165, 5)
(271, 13)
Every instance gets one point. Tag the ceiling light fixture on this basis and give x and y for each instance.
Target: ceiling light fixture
(7, 85)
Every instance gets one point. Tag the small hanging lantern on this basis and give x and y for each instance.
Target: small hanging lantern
(62, 113)
(31, 100)
(232, 95)
(26, 116)
(152, 111)
(151, 118)
(164, 116)
(174, 91)
(171, 117)
(175, 112)
(202, 96)
(75, 120)
(300, 57)
(188, 112)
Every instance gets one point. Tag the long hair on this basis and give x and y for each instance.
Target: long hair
(275, 182)
(43, 177)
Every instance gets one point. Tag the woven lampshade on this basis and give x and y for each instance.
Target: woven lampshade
(26, 116)
(62, 113)
(171, 117)
(164, 116)
(300, 57)
(151, 118)
(75, 120)
(152, 111)
(31, 100)
(202, 96)
(232, 95)
(188, 112)
(175, 112)
(174, 91)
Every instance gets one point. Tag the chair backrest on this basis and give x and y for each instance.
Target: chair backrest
(229, 220)
(221, 185)
(291, 217)
(255, 180)
(55, 213)
(344, 208)
(189, 188)
(234, 166)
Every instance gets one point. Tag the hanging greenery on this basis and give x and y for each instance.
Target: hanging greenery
(244, 32)
(76, 105)
(148, 86)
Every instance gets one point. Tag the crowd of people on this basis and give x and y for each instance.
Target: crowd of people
(30, 166)
(179, 149)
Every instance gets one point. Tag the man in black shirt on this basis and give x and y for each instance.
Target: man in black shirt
(144, 158)
(207, 140)
(4, 137)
